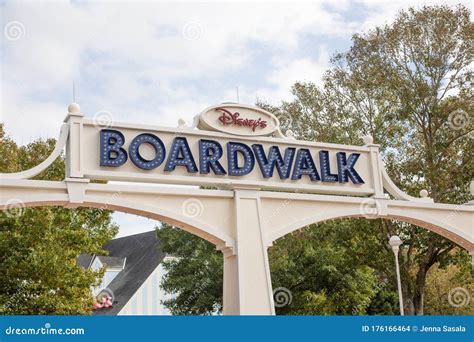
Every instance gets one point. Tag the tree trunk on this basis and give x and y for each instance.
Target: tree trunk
(419, 291)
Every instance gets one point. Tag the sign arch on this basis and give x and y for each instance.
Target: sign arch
(422, 216)
(240, 150)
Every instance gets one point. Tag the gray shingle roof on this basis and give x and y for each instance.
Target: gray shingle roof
(84, 260)
(143, 255)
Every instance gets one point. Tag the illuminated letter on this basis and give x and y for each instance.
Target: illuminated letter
(180, 155)
(326, 175)
(345, 168)
(267, 165)
(136, 157)
(111, 151)
(304, 165)
(210, 152)
(232, 158)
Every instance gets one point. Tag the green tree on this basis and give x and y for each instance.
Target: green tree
(194, 274)
(409, 86)
(449, 288)
(39, 246)
(316, 268)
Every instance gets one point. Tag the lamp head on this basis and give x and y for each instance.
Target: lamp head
(395, 241)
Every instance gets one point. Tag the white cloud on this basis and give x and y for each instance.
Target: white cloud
(154, 62)
(131, 57)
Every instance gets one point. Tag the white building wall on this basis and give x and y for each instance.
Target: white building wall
(147, 299)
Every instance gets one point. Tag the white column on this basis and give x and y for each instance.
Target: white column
(74, 158)
(247, 282)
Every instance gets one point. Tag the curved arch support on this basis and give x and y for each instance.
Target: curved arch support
(189, 209)
(395, 191)
(60, 144)
(454, 222)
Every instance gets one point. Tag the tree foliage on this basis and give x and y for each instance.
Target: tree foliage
(39, 246)
(409, 86)
(194, 274)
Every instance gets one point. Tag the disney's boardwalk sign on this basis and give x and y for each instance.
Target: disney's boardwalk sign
(241, 151)
(249, 150)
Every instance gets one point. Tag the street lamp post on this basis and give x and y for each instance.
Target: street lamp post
(395, 242)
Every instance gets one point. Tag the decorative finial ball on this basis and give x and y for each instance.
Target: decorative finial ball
(181, 122)
(423, 193)
(74, 108)
(289, 133)
(471, 187)
(368, 139)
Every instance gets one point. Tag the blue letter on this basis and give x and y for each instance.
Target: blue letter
(136, 157)
(326, 174)
(232, 159)
(267, 165)
(346, 168)
(209, 153)
(111, 151)
(180, 147)
(304, 165)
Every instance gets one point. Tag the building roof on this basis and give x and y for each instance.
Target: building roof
(143, 255)
(84, 260)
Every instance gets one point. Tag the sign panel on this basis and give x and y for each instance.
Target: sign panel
(141, 153)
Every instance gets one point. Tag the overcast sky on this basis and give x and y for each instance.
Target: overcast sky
(154, 62)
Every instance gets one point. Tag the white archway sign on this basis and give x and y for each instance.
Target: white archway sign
(268, 185)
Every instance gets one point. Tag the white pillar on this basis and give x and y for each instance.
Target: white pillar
(247, 282)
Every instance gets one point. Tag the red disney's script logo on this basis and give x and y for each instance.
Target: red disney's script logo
(229, 118)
